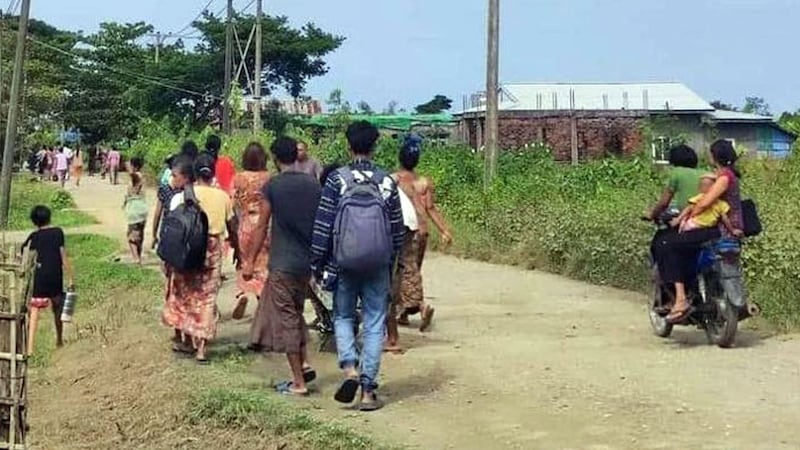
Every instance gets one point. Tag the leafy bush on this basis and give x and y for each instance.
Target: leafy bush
(27, 193)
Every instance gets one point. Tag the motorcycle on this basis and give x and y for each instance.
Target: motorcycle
(717, 294)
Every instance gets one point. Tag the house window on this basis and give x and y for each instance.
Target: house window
(660, 149)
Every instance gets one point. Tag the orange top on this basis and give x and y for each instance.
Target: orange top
(224, 172)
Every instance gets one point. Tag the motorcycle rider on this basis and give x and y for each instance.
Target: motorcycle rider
(684, 177)
(676, 252)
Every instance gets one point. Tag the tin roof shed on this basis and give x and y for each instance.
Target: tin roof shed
(655, 97)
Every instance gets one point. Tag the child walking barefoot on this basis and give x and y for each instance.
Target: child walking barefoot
(51, 266)
(136, 211)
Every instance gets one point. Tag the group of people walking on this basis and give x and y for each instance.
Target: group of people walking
(355, 230)
(61, 163)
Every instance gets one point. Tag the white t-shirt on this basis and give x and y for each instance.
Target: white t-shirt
(410, 219)
(68, 152)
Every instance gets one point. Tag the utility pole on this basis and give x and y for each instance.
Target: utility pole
(257, 75)
(226, 98)
(492, 91)
(13, 111)
(158, 45)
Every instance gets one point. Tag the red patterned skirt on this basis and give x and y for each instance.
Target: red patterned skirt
(255, 285)
(191, 300)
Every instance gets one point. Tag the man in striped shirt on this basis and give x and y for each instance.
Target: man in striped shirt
(373, 289)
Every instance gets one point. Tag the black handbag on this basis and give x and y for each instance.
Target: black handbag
(751, 223)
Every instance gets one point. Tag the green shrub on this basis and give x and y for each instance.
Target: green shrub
(27, 193)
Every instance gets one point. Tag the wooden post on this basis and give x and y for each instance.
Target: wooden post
(257, 76)
(492, 91)
(573, 137)
(6, 171)
(226, 97)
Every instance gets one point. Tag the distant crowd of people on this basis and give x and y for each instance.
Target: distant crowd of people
(61, 163)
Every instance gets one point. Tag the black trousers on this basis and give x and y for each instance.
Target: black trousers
(676, 253)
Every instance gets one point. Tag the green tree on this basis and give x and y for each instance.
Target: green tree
(438, 104)
(391, 108)
(720, 105)
(364, 108)
(756, 105)
(790, 121)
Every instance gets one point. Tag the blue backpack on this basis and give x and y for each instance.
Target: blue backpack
(362, 236)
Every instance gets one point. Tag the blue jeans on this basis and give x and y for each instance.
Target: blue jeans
(373, 290)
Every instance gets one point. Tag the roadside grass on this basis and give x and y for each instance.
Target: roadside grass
(27, 193)
(101, 284)
(234, 398)
(116, 331)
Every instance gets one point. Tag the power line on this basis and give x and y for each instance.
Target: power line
(144, 78)
(12, 7)
(191, 22)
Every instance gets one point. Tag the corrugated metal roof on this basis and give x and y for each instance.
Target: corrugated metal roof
(736, 116)
(675, 97)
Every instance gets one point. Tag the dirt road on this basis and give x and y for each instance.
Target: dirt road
(528, 360)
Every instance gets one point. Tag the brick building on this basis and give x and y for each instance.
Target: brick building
(580, 121)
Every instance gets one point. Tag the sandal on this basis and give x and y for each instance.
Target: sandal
(241, 307)
(183, 349)
(202, 361)
(394, 349)
(677, 316)
(309, 375)
(373, 405)
(403, 320)
(287, 388)
(427, 317)
(347, 391)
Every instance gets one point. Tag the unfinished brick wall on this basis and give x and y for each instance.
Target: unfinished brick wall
(597, 136)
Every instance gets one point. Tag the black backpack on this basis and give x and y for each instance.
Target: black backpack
(183, 239)
(752, 223)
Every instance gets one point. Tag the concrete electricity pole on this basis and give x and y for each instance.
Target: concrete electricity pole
(13, 112)
(226, 105)
(492, 91)
(158, 46)
(257, 75)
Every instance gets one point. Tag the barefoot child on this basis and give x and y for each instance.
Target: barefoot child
(51, 265)
(136, 211)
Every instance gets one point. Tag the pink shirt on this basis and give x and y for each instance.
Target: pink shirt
(61, 161)
(113, 158)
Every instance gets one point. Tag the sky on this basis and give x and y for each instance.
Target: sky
(410, 50)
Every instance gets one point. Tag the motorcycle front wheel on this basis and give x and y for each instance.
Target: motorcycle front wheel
(658, 322)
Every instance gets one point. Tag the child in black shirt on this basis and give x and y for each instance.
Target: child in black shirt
(51, 265)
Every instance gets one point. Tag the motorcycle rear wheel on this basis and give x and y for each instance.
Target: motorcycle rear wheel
(721, 328)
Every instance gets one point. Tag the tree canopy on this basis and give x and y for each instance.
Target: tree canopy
(106, 82)
(438, 104)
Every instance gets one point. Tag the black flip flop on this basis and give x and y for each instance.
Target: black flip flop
(182, 350)
(347, 391)
(309, 375)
